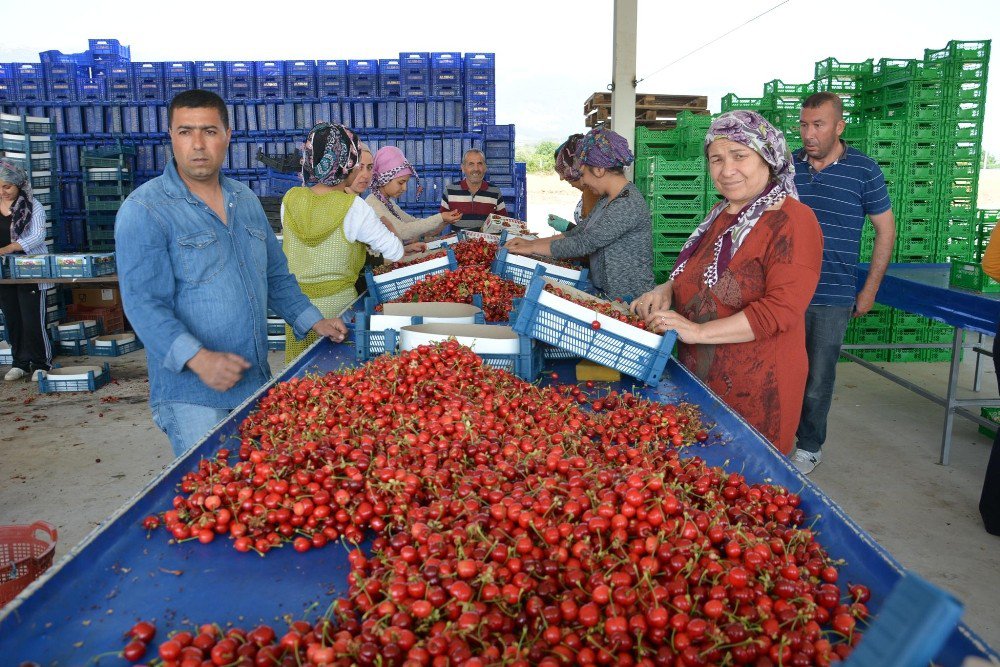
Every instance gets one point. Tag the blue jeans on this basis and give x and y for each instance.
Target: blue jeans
(186, 423)
(825, 329)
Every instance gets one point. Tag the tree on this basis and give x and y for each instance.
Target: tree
(538, 157)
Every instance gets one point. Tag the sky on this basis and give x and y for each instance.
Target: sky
(551, 55)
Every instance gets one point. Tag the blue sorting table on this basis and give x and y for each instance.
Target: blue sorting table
(117, 575)
(922, 289)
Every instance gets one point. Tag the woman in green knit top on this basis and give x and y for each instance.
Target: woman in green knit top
(326, 229)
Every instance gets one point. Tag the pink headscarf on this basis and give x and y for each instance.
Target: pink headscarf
(389, 163)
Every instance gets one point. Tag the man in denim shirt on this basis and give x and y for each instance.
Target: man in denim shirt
(199, 266)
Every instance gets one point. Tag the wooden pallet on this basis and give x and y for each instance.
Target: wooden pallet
(652, 111)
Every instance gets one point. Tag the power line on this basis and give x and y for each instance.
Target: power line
(707, 44)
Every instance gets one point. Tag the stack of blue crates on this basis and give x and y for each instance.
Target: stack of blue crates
(432, 105)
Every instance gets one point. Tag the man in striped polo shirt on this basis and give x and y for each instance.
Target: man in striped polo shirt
(842, 185)
(473, 197)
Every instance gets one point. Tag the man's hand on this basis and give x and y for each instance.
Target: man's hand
(332, 328)
(451, 216)
(863, 302)
(219, 370)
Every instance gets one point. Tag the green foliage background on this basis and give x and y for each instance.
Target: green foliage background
(538, 157)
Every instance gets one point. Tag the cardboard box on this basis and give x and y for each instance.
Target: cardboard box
(97, 297)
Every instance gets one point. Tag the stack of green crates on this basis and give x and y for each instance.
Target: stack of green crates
(671, 173)
(108, 177)
(986, 220)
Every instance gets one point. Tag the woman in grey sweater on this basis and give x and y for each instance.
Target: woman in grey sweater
(618, 236)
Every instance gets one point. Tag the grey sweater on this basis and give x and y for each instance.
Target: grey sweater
(618, 238)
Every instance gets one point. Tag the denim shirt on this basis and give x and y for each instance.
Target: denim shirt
(189, 282)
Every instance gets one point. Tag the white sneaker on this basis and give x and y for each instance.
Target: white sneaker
(15, 374)
(37, 375)
(805, 461)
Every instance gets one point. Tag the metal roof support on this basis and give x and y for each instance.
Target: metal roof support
(623, 70)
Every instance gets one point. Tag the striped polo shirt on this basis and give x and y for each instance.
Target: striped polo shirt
(841, 196)
(475, 208)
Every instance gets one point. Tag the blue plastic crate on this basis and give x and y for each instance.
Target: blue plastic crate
(49, 383)
(179, 71)
(108, 49)
(391, 285)
(479, 73)
(443, 114)
(269, 68)
(479, 115)
(210, 75)
(371, 344)
(527, 364)
(913, 624)
(300, 79)
(30, 266)
(112, 347)
(76, 348)
(91, 265)
(362, 115)
(556, 321)
(389, 82)
(276, 343)
(77, 331)
(498, 133)
(521, 270)
(89, 87)
(240, 79)
(331, 78)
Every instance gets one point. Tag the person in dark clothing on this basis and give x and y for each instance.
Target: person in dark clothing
(22, 231)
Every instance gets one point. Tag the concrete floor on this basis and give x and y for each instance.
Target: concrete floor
(72, 459)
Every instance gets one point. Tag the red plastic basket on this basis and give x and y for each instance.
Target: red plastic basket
(24, 555)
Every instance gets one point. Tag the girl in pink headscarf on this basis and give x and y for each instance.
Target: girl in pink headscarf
(390, 174)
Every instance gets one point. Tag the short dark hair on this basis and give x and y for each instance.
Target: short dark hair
(198, 99)
(817, 100)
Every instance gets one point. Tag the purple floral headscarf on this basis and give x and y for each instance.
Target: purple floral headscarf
(340, 152)
(602, 147)
(752, 130)
(22, 207)
(567, 164)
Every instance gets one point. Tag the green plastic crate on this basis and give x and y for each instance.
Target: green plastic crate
(669, 243)
(905, 356)
(915, 245)
(677, 203)
(993, 414)
(731, 101)
(779, 87)
(907, 335)
(970, 276)
(676, 223)
(832, 66)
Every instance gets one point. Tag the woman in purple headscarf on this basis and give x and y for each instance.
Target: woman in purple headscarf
(567, 165)
(391, 172)
(618, 236)
(744, 278)
(22, 231)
